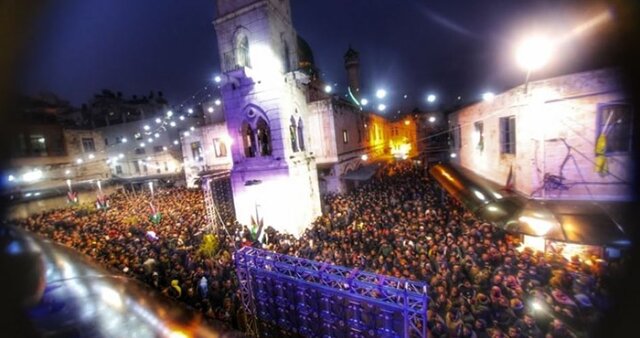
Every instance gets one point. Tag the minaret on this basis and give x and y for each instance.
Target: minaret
(273, 177)
(352, 65)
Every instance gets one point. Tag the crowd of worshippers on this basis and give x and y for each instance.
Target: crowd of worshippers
(481, 283)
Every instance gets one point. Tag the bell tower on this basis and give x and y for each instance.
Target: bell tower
(274, 177)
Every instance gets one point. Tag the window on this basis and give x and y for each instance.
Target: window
(263, 134)
(138, 136)
(87, 145)
(248, 140)
(136, 166)
(479, 135)
(345, 136)
(222, 147)
(157, 168)
(242, 50)
(106, 141)
(301, 135)
(615, 121)
(140, 151)
(157, 149)
(219, 148)
(118, 139)
(196, 150)
(119, 170)
(458, 137)
(359, 135)
(293, 133)
(166, 166)
(38, 145)
(508, 135)
(144, 167)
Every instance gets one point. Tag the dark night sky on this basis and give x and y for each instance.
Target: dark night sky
(414, 47)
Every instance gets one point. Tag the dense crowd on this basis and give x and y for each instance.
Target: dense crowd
(481, 283)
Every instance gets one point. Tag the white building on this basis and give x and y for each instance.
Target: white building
(552, 138)
(206, 149)
(44, 157)
(147, 148)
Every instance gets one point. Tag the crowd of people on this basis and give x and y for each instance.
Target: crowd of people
(481, 282)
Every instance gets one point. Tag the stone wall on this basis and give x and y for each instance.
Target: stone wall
(555, 109)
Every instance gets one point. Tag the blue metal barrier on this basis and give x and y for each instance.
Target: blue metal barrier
(316, 299)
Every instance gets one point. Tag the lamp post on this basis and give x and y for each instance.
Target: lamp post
(532, 54)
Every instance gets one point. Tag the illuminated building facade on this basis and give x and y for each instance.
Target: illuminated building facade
(138, 155)
(45, 156)
(274, 174)
(569, 137)
(207, 148)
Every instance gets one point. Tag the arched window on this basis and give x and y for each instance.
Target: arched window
(249, 140)
(301, 134)
(263, 136)
(242, 50)
(293, 134)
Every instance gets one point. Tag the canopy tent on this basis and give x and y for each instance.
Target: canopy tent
(363, 173)
(583, 222)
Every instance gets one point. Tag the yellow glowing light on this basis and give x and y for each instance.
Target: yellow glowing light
(533, 242)
(539, 226)
(179, 334)
(406, 122)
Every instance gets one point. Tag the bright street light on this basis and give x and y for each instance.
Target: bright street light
(210, 109)
(532, 54)
(432, 119)
(381, 93)
(218, 102)
(217, 79)
(364, 101)
(488, 96)
(382, 107)
(431, 98)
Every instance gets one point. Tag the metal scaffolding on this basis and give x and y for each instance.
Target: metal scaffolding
(316, 299)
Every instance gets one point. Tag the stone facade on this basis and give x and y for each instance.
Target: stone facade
(83, 158)
(274, 177)
(557, 124)
(129, 159)
(213, 144)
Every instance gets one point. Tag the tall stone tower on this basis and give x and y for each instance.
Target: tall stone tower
(274, 177)
(352, 65)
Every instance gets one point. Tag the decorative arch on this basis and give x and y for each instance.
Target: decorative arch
(256, 131)
(241, 47)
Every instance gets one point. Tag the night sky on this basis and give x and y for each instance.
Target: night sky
(450, 48)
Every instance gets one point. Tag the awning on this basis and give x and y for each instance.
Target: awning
(362, 173)
(583, 222)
